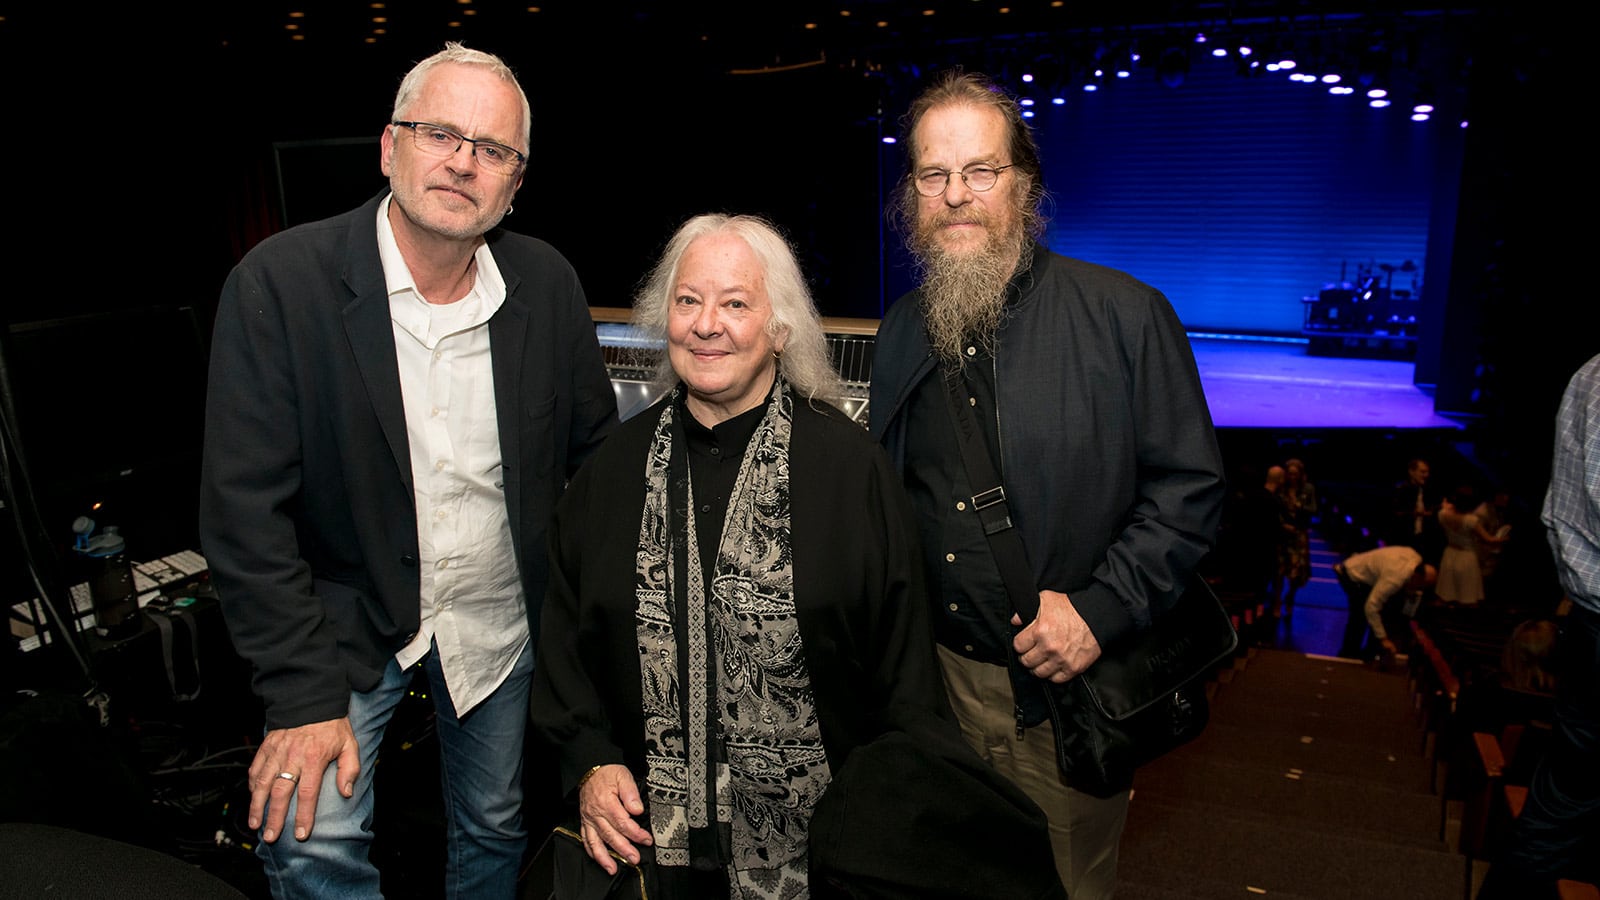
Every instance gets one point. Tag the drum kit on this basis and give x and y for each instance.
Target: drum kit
(1369, 305)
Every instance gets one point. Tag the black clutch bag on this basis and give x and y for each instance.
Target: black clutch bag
(562, 870)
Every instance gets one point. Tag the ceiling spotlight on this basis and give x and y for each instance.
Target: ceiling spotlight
(1376, 93)
(1379, 103)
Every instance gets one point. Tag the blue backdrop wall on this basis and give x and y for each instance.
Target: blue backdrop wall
(1238, 197)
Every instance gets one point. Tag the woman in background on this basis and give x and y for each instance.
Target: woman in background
(1299, 498)
(1460, 574)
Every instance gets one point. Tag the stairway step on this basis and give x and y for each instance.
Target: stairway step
(1247, 693)
(1172, 846)
(1401, 768)
(1284, 676)
(1311, 801)
(1392, 727)
(1146, 884)
(1133, 886)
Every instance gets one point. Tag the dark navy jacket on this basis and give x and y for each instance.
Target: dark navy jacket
(1109, 458)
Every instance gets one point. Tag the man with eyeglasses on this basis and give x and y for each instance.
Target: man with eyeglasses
(397, 396)
(1084, 392)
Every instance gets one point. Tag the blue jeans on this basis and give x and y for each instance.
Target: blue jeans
(1559, 828)
(480, 768)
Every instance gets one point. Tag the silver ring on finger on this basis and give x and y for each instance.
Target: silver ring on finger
(289, 777)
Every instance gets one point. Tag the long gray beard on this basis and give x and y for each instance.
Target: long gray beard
(963, 298)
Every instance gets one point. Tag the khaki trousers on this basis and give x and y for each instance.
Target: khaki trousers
(1084, 830)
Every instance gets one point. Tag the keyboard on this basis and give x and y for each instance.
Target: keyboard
(149, 578)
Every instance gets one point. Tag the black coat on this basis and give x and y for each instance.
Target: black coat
(307, 511)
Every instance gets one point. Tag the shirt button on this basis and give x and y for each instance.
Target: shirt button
(969, 648)
(438, 354)
(954, 607)
(705, 507)
(960, 505)
(442, 564)
(972, 351)
(716, 451)
(441, 514)
(949, 557)
(434, 411)
(438, 466)
(972, 401)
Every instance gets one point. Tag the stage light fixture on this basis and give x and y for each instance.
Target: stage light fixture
(1173, 66)
(1379, 103)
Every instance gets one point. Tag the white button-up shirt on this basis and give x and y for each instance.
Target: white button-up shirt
(472, 598)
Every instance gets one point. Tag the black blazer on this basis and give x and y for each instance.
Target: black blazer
(307, 515)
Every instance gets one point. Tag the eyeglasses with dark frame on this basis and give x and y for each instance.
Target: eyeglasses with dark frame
(978, 176)
(437, 140)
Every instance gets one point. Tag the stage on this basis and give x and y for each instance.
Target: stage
(1271, 384)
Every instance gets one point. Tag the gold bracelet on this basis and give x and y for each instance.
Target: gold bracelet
(586, 776)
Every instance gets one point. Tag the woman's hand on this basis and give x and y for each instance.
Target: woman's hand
(607, 802)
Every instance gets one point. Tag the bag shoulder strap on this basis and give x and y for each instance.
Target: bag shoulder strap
(989, 501)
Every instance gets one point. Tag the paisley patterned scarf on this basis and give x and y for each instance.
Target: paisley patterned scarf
(734, 751)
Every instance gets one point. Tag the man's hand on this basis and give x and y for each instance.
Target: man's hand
(290, 763)
(1058, 644)
(607, 803)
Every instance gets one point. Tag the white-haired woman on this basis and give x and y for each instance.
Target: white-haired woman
(735, 601)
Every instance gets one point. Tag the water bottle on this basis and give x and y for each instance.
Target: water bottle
(104, 561)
